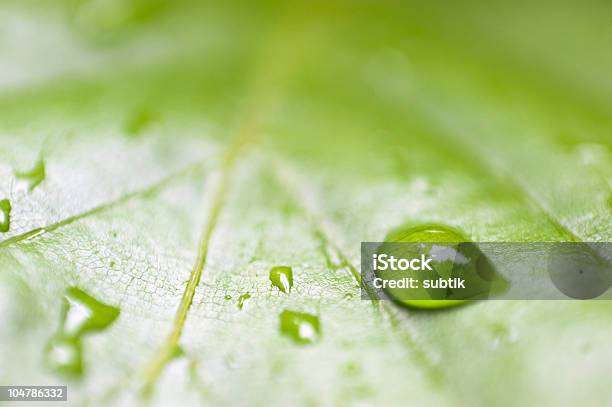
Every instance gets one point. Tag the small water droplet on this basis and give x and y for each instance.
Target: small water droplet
(5, 215)
(81, 315)
(243, 300)
(301, 327)
(453, 256)
(282, 278)
(112, 264)
(65, 356)
(34, 176)
(227, 297)
(348, 296)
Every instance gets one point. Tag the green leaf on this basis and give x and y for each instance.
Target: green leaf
(189, 149)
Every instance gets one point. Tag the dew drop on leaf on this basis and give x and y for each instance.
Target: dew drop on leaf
(65, 356)
(453, 255)
(81, 315)
(5, 215)
(243, 300)
(301, 327)
(34, 176)
(282, 278)
(426, 233)
(227, 297)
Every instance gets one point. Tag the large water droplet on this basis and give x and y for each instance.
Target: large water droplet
(282, 278)
(5, 215)
(426, 233)
(34, 176)
(453, 256)
(81, 314)
(243, 300)
(301, 327)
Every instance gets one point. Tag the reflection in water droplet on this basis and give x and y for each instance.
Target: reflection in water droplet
(243, 300)
(33, 177)
(227, 297)
(301, 327)
(453, 256)
(81, 314)
(76, 316)
(426, 233)
(282, 278)
(348, 296)
(5, 215)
